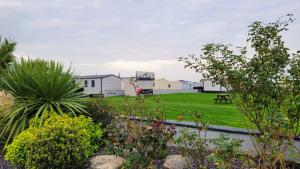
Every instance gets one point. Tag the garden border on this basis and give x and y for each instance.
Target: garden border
(225, 129)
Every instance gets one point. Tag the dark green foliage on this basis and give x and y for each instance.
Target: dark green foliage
(7, 48)
(226, 151)
(100, 111)
(60, 142)
(2, 142)
(37, 87)
(139, 144)
(6, 52)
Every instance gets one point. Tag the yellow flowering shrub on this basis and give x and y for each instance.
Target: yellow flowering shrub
(59, 142)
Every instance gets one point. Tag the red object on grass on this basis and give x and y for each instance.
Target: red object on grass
(139, 91)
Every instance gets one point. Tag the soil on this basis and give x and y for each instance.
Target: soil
(4, 164)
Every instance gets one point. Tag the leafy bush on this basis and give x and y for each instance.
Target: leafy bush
(60, 142)
(139, 143)
(226, 151)
(38, 86)
(193, 147)
(100, 111)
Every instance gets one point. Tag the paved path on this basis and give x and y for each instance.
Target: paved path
(248, 144)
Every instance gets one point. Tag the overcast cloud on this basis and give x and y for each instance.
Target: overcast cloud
(122, 36)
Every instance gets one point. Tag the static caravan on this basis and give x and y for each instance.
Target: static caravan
(213, 86)
(143, 81)
(107, 85)
(163, 86)
(187, 85)
(129, 89)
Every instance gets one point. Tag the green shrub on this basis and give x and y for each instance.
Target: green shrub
(60, 142)
(100, 111)
(139, 144)
(193, 147)
(226, 151)
(38, 86)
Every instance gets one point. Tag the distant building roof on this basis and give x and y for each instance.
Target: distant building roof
(95, 76)
(127, 77)
(183, 81)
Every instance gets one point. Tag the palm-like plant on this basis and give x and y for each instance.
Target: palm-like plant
(6, 49)
(37, 87)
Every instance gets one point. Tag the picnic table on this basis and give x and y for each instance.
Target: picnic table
(223, 98)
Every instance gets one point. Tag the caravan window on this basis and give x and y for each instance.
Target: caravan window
(213, 84)
(85, 83)
(93, 83)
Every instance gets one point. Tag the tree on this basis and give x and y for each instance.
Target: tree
(7, 47)
(133, 82)
(38, 87)
(264, 83)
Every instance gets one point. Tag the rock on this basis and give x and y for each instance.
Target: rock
(175, 162)
(4, 164)
(106, 162)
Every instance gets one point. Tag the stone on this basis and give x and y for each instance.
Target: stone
(106, 162)
(175, 162)
(4, 164)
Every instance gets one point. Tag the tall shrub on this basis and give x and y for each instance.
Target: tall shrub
(59, 142)
(264, 83)
(38, 86)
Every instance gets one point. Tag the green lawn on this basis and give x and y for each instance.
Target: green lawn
(185, 103)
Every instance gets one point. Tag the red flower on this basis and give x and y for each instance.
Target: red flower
(180, 117)
(158, 123)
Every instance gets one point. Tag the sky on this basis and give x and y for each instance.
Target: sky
(124, 36)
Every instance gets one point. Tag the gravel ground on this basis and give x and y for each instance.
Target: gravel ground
(4, 164)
